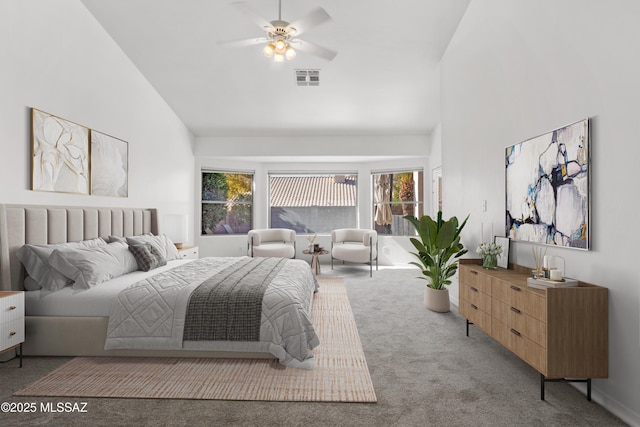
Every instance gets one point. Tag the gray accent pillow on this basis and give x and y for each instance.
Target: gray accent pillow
(91, 266)
(147, 256)
(162, 243)
(35, 260)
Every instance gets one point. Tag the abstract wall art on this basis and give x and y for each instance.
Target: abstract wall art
(59, 154)
(547, 188)
(109, 165)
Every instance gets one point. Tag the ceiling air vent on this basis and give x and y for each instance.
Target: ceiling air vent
(308, 77)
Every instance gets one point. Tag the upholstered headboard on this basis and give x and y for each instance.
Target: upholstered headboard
(22, 224)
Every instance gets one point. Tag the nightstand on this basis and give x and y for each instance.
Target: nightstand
(188, 252)
(11, 321)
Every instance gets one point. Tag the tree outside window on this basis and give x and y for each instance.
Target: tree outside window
(227, 203)
(397, 194)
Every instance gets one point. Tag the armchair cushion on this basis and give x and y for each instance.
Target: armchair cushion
(354, 252)
(354, 235)
(272, 242)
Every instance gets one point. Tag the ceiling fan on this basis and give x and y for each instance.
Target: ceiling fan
(281, 36)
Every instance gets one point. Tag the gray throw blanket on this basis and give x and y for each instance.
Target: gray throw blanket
(228, 306)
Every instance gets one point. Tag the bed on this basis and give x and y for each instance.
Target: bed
(75, 320)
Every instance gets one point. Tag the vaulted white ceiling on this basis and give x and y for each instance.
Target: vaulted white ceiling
(384, 80)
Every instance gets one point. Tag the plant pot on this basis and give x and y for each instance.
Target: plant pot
(437, 299)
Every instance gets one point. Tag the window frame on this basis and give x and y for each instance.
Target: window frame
(250, 203)
(418, 202)
(333, 173)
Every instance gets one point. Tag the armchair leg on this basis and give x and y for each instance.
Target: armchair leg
(332, 255)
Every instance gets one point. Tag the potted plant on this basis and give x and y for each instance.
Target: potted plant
(438, 250)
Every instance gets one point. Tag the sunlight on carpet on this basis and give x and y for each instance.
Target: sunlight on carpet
(341, 373)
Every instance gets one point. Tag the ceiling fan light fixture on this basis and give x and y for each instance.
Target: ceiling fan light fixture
(279, 34)
(280, 45)
(268, 50)
(290, 53)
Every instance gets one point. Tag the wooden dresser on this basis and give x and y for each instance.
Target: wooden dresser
(561, 332)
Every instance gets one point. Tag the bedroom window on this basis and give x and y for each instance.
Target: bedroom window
(313, 203)
(227, 203)
(396, 194)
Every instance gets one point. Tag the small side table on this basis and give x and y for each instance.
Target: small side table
(11, 322)
(188, 252)
(315, 263)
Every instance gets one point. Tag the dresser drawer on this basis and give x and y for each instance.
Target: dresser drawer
(510, 294)
(11, 333)
(476, 316)
(536, 356)
(537, 306)
(508, 336)
(11, 306)
(510, 316)
(476, 297)
(472, 275)
(526, 325)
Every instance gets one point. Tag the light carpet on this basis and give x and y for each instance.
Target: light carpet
(341, 373)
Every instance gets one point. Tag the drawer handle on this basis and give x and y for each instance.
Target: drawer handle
(515, 310)
(12, 333)
(475, 307)
(473, 289)
(513, 331)
(473, 272)
(13, 307)
(515, 288)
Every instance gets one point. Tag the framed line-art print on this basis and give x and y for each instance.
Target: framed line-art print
(547, 188)
(59, 154)
(109, 165)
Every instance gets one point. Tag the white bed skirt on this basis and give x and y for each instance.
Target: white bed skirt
(85, 336)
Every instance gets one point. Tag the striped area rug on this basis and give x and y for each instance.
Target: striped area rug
(341, 373)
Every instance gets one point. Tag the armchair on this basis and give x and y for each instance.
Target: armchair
(355, 245)
(271, 242)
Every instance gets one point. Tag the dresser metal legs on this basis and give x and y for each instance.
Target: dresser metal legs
(544, 380)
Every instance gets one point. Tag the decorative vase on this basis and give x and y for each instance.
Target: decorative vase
(490, 261)
(437, 299)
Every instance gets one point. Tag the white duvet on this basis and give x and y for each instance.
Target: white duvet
(150, 314)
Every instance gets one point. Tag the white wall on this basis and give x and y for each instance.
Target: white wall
(516, 69)
(57, 58)
(361, 154)
(311, 146)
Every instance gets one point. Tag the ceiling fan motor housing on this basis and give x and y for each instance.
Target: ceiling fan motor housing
(281, 29)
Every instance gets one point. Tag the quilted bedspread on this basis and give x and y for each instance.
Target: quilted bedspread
(151, 314)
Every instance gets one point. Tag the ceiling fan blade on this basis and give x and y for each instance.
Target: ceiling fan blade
(314, 49)
(314, 18)
(248, 11)
(243, 42)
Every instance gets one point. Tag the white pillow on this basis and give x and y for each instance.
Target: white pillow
(35, 261)
(162, 243)
(91, 266)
